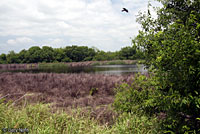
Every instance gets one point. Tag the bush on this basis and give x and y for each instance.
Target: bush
(144, 98)
(141, 96)
(131, 123)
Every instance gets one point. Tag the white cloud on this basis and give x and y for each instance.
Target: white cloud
(11, 41)
(53, 42)
(20, 40)
(77, 22)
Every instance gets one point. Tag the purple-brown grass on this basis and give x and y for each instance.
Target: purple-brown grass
(18, 66)
(63, 90)
(71, 64)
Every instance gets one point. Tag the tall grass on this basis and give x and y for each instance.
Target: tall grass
(68, 103)
(52, 65)
(62, 64)
(114, 62)
(18, 66)
(39, 119)
(65, 91)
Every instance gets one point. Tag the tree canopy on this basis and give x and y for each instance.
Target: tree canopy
(72, 53)
(171, 47)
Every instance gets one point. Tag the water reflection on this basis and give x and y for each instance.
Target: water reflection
(101, 69)
(121, 69)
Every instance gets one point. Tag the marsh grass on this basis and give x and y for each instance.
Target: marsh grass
(39, 119)
(18, 66)
(54, 104)
(52, 65)
(118, 62)
(64, 64)
(65, 91)
(114, 62)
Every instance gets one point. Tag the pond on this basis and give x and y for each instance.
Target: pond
(100, 69)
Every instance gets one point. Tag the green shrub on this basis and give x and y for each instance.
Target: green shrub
(93, 91)
(131, 123)
(171, 45)
(141, 96)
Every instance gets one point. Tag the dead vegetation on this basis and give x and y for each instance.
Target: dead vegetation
(70, 64)
(64, 91)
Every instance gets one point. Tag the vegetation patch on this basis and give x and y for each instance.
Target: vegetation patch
(39, 118)
(52, 65)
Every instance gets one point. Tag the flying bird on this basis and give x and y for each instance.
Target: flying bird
(125, 10)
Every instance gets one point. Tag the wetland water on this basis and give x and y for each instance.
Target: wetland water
(100, 69)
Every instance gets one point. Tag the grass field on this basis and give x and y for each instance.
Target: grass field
(64, 91)
(67, 103)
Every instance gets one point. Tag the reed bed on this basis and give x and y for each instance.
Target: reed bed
(66, 91)
(93, 63)
(18, 66)
(70, 64)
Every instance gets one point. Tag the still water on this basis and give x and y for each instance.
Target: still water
(101, 69)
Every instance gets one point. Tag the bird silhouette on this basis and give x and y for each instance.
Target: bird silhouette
(125, 10)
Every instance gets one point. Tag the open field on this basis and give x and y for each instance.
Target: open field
(65, 91)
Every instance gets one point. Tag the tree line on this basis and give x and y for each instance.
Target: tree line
(72, 53)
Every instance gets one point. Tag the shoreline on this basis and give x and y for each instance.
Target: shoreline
(70, 64)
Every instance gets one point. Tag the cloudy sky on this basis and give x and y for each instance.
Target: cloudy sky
(60, 23)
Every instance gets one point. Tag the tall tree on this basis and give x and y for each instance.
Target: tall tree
(12, 57)
(3, 59)
(172, 49)
(127, 53)
(22, 56)
(34, 55)
(47, 54)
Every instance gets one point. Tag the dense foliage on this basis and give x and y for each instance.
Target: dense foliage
(48, 54)
(171, 45)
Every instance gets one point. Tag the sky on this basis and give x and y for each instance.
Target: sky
(61, 23)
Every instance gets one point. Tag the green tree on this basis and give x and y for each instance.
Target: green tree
(79, 53)
(59, 54)
(171, 44)
(12, 57)
(127, 53)
(101, 56)
(34, 55)
(3, 59)
(22, 56)
(89, 54)
(47, 54)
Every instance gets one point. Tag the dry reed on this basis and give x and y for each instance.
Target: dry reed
(64, 90)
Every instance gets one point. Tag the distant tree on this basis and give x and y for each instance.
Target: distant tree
(79, 53)
(3, 59)
(73, 53)
(101, 56)
(127, 53)
(34, 55)
(12, 57)
(47, 54)
(22, 56)
(89, 54)
(66, 59)
(59, 54)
